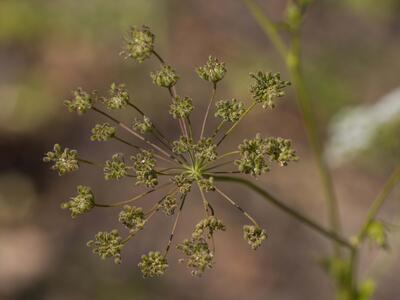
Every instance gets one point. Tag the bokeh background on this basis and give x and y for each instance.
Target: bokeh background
(49, 47)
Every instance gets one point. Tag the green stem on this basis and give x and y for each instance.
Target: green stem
(203, 127)
(290, 211)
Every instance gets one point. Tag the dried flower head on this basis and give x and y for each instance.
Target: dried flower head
(153, 265)
(166, 77)
(107, 244)
(81, 203)
(102, 132)
(65, 161)
(187, 165)
(212, 71)
(139, 43)
(267, 87)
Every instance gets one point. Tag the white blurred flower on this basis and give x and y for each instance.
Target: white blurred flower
(352, 130)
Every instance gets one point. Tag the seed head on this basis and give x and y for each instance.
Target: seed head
(229, 111)
(115, 168)
(207, 227)
(143, 126)
(144, 164)
(252, 156)
(132, 218)
(118, 97)
(254, 236)
(280, 150)
(168, 205)
(181, 107)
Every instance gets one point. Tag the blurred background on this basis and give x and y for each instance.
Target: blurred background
(47, 48)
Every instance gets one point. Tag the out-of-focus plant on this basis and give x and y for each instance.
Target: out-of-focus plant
(342, 267)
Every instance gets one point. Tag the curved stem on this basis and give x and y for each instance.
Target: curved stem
(288, 210)
(203, 126)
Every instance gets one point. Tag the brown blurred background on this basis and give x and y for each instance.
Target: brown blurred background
(47, 48)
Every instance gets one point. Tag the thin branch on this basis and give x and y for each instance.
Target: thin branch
(171, 237)
(214, 89)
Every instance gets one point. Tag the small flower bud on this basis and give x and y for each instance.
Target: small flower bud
(144, 164)
(229, 111)
(115, 168)
(205, 150)
(376, 233)
(133, 218)
(207, 184)
(166, 77)
(118, 97)
(80, 204)
(268, 86)
(64, 160)
(81, 103)
(181, 107)
(139, 43)
(102, 132)
(143, 126)
(183, 145)
(153, 265)
(212, 71)
(254, 236)
(107, 244)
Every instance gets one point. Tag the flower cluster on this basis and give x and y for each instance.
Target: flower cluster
(268, 86)
(81, 203)
(213, 70)
(81, 102)
(107, 244)
(229, 111)
(65, 161)
(102, 132)
(190, 165)
(115, 168)
(166, 77)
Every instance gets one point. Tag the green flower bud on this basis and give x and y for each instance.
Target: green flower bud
(252, 156)
(81, 103)
(183, 182)
(153, 265)
(181, 107)
(143, 126)
(102, 132)
(168, 205)
(80, 204)
(376, 232)
(183, 145)
(144, 164)
(229, 111)
(64, 160)
(133, 218)
(212, 71)
(118, 97)
(115, 168)
(205, 150)
(166, 77)
(254, 236)
(280, 150)
(207, 184)
(139, 43)
(199, 257)
(207, 227)
(107, 244)
(268, 86)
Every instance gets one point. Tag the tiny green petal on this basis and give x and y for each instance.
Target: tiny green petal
(65, 161)
(229, 111)
(212, 71)
(144, 164)
(102, 132)
(107, 244)
(166, 77)
(254, 236)
(80, 204)
(132, 218)
(153, 265)
(181, 107)
(115, 168)
(81, 103)
(118, 97)
(139, 43)
(143, 126)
